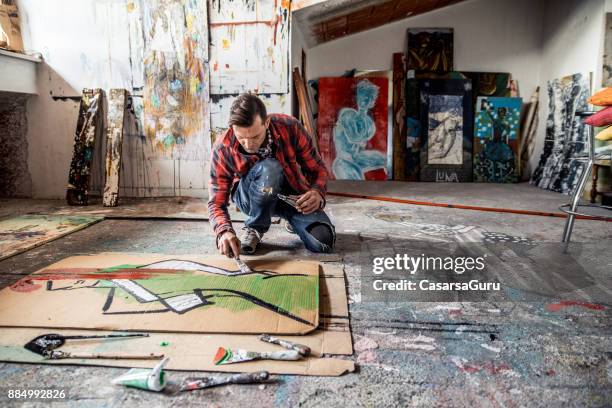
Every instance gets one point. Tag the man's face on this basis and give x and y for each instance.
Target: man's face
(252, 137)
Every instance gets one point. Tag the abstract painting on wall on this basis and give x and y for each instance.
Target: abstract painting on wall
(249, 46)
(430, 49)
(171, 39)
(446, 130)
(352, 127)
(496, 141)
(565, 134)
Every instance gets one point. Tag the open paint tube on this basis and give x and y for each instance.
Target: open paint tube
(152, 379)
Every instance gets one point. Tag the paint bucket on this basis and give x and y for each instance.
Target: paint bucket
(144, 378)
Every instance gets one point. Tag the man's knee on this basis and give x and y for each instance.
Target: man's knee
(323, 235)
(269, 175)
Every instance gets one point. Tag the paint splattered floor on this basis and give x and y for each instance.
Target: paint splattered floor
(545, 353)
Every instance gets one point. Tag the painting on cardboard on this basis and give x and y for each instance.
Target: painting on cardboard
(565, 134)
(128, 293)
(430, 49)
(353, 127)
(446, 130)
(19, 234)
(496, 130)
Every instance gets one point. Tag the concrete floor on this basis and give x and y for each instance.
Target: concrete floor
(408, 354)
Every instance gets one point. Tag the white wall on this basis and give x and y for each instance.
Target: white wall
(86, 44)
(534, 40)
(489, 35)
(75, 41)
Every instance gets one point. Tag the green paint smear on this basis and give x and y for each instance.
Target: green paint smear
(169, 141)
(292, 293)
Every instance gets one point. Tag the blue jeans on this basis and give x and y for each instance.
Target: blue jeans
(255, 196)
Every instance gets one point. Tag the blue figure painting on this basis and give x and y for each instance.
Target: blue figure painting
(359, 140)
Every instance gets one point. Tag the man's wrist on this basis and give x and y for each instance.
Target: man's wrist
(223, 231)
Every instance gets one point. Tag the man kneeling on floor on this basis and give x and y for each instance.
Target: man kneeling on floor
(259, 157)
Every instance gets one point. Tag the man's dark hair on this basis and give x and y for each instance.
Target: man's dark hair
(244, 109)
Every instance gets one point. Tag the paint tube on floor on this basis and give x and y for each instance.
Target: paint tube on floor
(289, 345)
(228, 356)
(144, 378)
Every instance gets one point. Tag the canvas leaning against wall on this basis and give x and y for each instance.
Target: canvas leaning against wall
(352, 127)
(446, 130)
(430, 49)
(565, 134)
(496, 139)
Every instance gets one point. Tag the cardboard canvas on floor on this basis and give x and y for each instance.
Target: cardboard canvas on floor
(162, 293)
(188, 351)
(19, 234)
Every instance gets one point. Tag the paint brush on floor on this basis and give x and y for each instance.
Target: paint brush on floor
(46, 343)
(61, 355)
(228, 356)
(289, 345)
(198, 383)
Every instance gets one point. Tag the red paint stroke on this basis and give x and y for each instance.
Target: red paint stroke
(275, 27)
(93, 273)
(215, 66)
(489, 366)
(25, 286)
(556, 307)
(464, 207)
(221, 352)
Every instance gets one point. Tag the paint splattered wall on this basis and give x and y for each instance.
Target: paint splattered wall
(159, 51)
(249, 47)
(249, 51)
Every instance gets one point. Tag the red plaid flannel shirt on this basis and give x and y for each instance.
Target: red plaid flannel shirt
(302, 166)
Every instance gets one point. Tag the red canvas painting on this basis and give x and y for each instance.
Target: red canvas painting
(352, 127)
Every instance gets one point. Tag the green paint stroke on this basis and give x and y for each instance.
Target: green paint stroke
(169, 141)
(292, 293)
